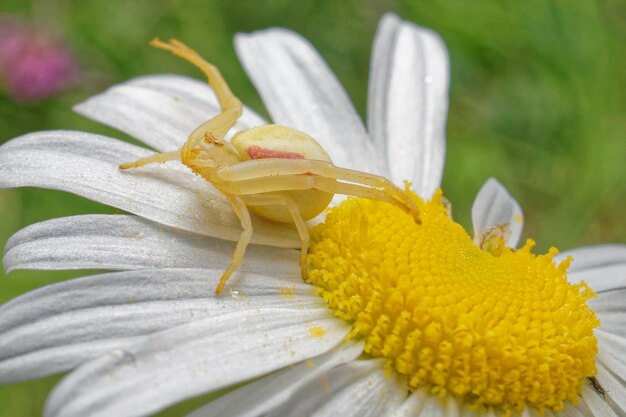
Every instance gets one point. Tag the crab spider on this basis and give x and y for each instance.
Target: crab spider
(279, 173)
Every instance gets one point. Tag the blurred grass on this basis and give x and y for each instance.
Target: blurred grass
(537, 100)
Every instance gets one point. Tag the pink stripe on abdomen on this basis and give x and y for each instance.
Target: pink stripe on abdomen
(256, 152)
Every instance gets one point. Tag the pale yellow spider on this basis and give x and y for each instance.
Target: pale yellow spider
(280, 173)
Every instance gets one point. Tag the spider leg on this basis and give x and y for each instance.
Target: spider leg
(225, 96)
(259, 168)
(215, 127)
(298, 221)
(244, 239)
(307, 182)
(230, 105)
(331, 185)
(159, 157)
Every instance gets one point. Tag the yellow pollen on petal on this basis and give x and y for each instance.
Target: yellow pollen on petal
(493, 328)
(317, 332)
(288, 293)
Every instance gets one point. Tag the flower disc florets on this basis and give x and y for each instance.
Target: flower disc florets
(504, 331)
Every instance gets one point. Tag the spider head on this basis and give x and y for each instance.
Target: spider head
(211, 152)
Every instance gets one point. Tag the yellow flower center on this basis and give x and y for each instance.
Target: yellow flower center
(502, 329)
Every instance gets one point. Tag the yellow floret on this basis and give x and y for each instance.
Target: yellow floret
(504, 330)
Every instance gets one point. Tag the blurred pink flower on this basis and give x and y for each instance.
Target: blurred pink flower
(33, 64)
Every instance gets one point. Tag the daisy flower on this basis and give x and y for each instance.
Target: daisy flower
(399, 319)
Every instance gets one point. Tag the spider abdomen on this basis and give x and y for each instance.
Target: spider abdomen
(276, 141)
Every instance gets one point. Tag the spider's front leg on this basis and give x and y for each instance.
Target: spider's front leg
(216, 127)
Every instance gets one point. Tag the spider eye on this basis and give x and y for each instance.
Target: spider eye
(212, 139)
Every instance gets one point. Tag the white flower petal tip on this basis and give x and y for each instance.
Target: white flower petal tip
(201, 356)
(159, 110)
(58, 327)
(300, 91)
(408, 102)
(119, 242)
(87, 164)
(269, 393)
(494, 206)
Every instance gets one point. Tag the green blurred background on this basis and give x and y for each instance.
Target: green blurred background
(537, 100)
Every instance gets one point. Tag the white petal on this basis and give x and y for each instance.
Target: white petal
(592, 257)
(87, 165)
(412, 406)
(358, 388)
(610, 306)
(613, 360)
(300, 91)
(159, 110)
(602, 279)
(613, 322)
(130, 242)
(494, 206)
(596, 404)
(264, 395)
(611, 345)
(434, 407)
(609, 301)
(43, 332)
(526, 412)
(603, 267)
(575, 410)
(196, 358)
(464, 408)
(448, 407)
(56, 359)
(408, 102)
(615, 391)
